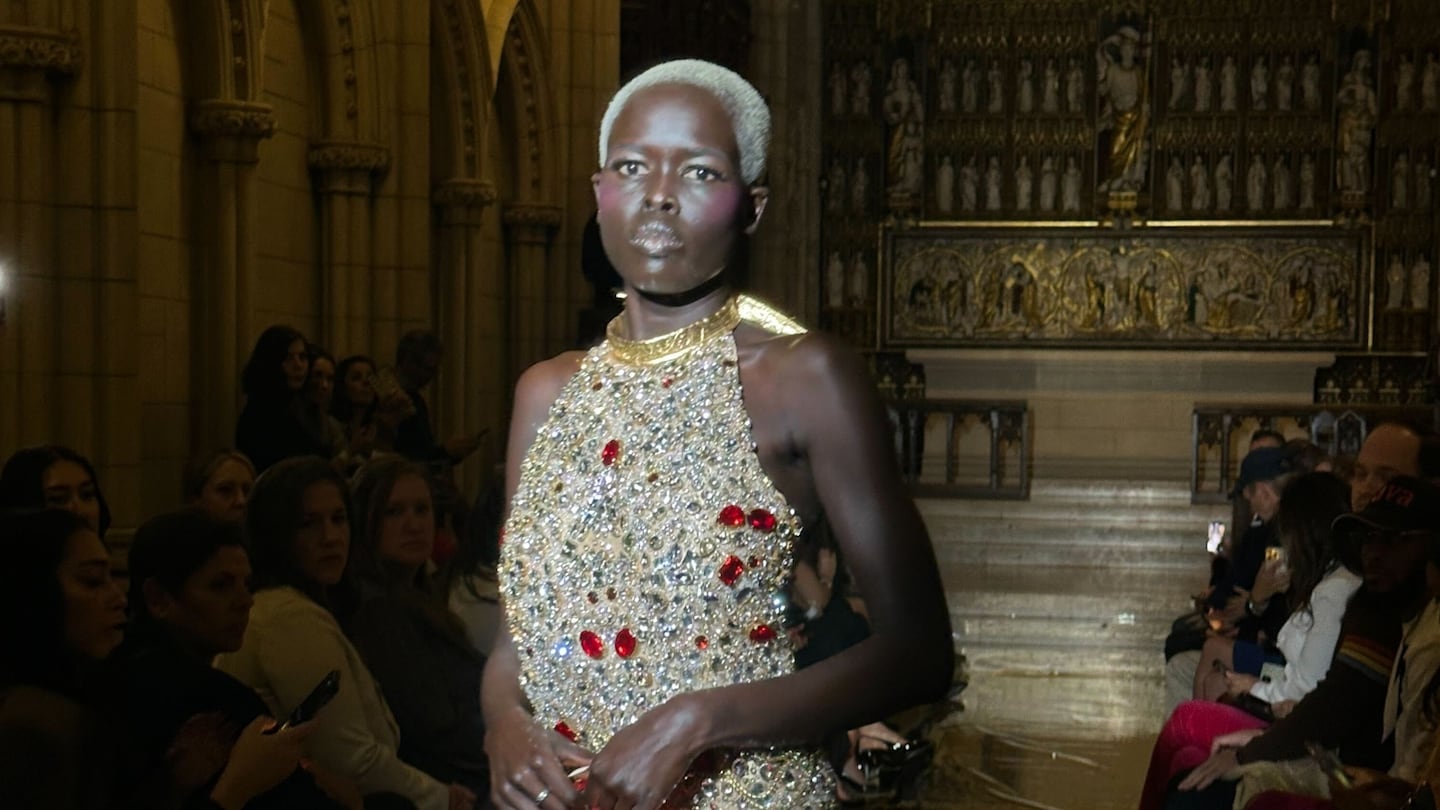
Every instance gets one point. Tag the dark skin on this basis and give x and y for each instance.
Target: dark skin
(673, 208)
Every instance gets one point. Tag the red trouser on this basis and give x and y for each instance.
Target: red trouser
(1184, 743)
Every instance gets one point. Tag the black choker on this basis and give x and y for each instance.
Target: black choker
(690, 296)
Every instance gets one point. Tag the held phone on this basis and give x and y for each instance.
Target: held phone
(1215, 537)
(1329, 764)
(322, 694)
(1277, 554)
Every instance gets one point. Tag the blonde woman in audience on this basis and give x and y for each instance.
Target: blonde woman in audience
(298, 528)
(220, 483)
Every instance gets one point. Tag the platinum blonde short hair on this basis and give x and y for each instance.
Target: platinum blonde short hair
(749, 114)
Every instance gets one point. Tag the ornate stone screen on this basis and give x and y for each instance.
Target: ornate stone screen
(1257, 287)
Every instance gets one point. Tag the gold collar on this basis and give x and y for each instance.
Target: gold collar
(675, 344)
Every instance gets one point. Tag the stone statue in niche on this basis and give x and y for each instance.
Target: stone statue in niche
(1422, 182)
(1400, 182)
(1199, 185)
(1229, 84)
(970, 87)
(1124, 113)
(1024, 185)
(1310, 83)
(1355, 103)
(904, 111)
(948, 76)
(1259, 84)
(1285, 84)
(1174, 185)
(1307, 182)
(859, 186)
(1280, 174)
(1074, 85)
(860, 88)
(1430, 83)
(835, 281)
(1255, 180)
(1204, 85)
(992, 184)
(1049, 180)
(996, 78)
(835, 191)
(969, 185)
(858, 286)
(839, 90)
(1070, 186)
(1404, 83)
(1224, 182)
(1420, 283)
(1395, 283)
(1025, 92)
(945, 186)
(1179, 81)
(1050, 88)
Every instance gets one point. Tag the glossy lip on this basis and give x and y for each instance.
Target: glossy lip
(656, 239)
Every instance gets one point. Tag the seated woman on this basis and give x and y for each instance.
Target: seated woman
(319, 396)
(61, 616)
(190, 601)
(368, 419)
(272, 427)
(219, 483)
(54, 476)
(298, 529)
(416, 647)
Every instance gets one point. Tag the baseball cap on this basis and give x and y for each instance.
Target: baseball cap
(1262, 464)
(1404, 504)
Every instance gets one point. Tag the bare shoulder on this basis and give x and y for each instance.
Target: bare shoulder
(807, 360)
(540, 385)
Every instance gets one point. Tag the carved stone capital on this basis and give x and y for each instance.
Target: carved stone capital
(531, 222)
(348, 156)
(39, 49)
(465, 193)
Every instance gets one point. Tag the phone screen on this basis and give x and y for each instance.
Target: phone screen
(1216, 536)
(322, 694)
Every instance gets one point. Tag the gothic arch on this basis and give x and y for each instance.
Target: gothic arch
(342, 33)
(525, 103)
(461, 60)
(224, 48)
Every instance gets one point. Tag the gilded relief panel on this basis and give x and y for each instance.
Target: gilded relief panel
(1297, 287)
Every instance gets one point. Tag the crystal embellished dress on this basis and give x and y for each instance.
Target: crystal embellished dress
(647, 553)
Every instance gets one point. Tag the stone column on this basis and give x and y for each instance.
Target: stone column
(346, 173)
(230, 132)
(529, 229)
(32, 61)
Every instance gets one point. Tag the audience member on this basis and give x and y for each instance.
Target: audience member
(54, 476)
(271, 427)
(415, 646)
(417, 360)
(369, 423)
(298, 529)
(319, 399)
(1391, 449)
(219, 483)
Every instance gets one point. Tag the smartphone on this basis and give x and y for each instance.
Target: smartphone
(1277, 554)
(322, 694)
(1329, 764)
(1216, 536)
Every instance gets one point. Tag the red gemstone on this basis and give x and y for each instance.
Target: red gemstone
(702, 643)
(762, 521)
(611, 452)
(625, 643)
(731, 570)
(591, 644)
(580, 784)
(732, 516)
(592, 597)
(565, 731)
(762, 634)
(667, 382)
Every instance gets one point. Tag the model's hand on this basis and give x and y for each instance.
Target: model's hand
(644, 762)
(527, 761)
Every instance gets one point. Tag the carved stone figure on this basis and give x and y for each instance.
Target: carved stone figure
(996, 78)
(992, 184)
(969, 185)
(860, 88)
(1174, 185)
(945, 186)
(1224, 182)
(1025, 92)
(835, 281)
(1420, 283)
(1310, 84)
(1120, 65)
(1199, 185)
(1280, 173)
(859, 186)
(1229, 84)
(970, 87)
(948, 77)
(839, 90)
(1050, 88)
(835, 193)
(1307, 182)
(1049, 181)
(1259, 84)
(1422, 182)
(1070, 186)
(1255, 184)
(1179, 81)
(1400, 182)
(1404, 83)
(1024, 185)
(904, 111)
(1430, 83)
(1285, 84)
(1074, 86)
(858, 284)
(1395, 283)
(1204, 85)
(1355, 103)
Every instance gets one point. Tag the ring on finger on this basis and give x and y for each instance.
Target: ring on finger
(542, 795)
